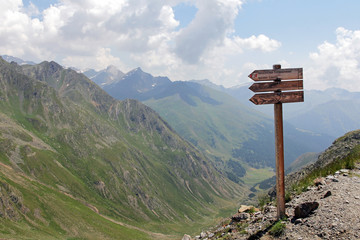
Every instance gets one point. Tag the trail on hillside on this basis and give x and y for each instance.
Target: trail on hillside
(328, 210)
(338, 214)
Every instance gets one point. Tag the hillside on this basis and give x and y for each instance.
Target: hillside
(324, 203)
(237, 138)
(83, 149)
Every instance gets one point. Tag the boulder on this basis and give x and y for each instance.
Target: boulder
(327, 194)
(305, 209)
(245, 208)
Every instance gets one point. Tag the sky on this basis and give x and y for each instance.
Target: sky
(219, 40)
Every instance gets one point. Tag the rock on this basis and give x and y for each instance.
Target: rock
(211, 235)
(319, 181)
(305, 209)
(269, 209)
(344, 170)
(240, 216)
(330, 177)
(186, 237)
(327, 194)
(245, 208)
(203, 234)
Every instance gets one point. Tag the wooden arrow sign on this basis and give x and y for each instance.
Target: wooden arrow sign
(277, 86)
(277, 97)
(275, 74)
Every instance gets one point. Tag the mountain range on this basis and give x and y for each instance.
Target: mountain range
(239, 139)
(333, 111)
(77, 163)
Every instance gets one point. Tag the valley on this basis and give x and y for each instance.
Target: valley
(72, 139)
(72, 152)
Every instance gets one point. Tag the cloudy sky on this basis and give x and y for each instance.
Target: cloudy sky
(221, 40)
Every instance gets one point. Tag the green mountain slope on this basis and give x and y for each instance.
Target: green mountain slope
(226, 129)
(63, 131)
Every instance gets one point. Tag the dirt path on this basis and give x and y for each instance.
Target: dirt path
(338, 215)
(154, 235)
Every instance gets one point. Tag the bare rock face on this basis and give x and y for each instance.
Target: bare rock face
(305, 209)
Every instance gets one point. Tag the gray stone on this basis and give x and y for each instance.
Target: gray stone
(327, 194)
(203, 234)
(240, 216)
(305, 209)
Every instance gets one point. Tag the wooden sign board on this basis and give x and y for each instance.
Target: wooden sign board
(277, 74)
(277, 86)
(278, 97)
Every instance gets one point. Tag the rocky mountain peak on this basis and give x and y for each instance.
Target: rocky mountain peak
(111, 69)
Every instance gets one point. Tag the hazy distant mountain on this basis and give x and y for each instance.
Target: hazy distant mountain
(104, 77)
(334, 117)
(17, 60)
(135, 85)
(333, 111)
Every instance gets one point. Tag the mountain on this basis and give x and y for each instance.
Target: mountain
(302, 161)
(17, 60)
(334, 117)
(237, 138)
(136, 84)
(104, 77)
(73, 158)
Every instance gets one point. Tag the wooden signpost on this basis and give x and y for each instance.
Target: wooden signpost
(275, 85)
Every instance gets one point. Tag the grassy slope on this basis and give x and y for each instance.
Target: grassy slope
(230, 130)
(119, 162)
(215, 129)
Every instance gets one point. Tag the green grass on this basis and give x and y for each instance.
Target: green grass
(61, 216)
(277, 229)
(254, 176)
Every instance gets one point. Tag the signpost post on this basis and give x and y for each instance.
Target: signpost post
(277, 97)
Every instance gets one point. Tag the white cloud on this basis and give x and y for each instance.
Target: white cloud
(100, 60)
(261, 42)
(337, 65)
(213, 21)
(128, 34)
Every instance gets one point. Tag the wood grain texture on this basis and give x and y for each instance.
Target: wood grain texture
(277, 86)
(276, 74)
(277, 97)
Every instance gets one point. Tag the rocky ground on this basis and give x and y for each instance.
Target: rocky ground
(328, 210)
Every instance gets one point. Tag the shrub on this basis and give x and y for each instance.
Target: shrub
(277, 229)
